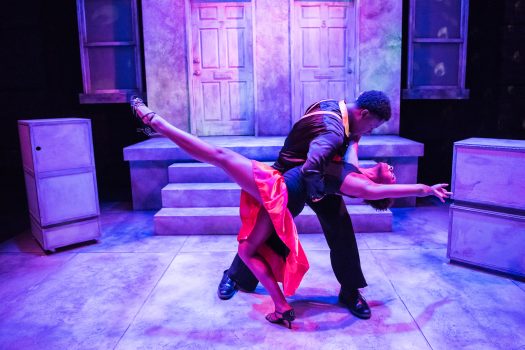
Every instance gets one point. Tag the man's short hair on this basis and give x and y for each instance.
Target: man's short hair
(377, 102)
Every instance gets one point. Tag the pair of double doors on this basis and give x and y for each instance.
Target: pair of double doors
(221, 61)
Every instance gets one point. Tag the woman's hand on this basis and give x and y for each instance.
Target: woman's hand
(437, 190)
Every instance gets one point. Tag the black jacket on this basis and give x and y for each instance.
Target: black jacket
(313, 142)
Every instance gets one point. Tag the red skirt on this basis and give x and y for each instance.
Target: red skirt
(290, 269)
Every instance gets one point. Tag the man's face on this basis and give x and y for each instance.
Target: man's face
(365, 122)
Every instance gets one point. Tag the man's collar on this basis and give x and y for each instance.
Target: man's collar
(344, 115)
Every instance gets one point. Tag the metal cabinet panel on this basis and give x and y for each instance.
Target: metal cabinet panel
(489, 171)
(488, 239)
(25, 146)
(64, 147)
(67, 197)
(63, 235)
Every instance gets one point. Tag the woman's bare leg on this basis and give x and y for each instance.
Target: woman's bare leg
(260, 268)
(238, 167)
(240, 170)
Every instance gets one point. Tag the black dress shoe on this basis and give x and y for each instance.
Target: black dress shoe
(227, 287)
(355, 302)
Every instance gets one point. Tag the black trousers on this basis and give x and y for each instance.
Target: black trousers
(338, 230)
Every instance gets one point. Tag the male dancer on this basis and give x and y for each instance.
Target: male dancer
(325, 131)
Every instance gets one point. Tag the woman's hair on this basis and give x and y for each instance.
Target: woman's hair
(380, 204)
(380, 174)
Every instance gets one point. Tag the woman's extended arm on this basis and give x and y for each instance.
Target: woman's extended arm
(357, 186)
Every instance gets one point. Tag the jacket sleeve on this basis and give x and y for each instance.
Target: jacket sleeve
(321, 151)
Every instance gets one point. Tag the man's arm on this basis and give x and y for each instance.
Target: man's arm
(322, 149)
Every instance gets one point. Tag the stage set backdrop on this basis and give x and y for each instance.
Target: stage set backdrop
(42, 75)
(252, 67)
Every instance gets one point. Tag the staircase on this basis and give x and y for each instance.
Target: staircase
(201, 199)
(197, 199)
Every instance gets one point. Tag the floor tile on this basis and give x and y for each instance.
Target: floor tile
(184, 312)
(22, 243)
(20, 272)
(456, 307)
(88, 304)
(520, 284)
(424, 227)
(135, 290)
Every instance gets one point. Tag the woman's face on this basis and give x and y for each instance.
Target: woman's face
(382, 173)
(387, 174)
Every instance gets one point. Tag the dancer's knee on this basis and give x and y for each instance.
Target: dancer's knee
(245, 250)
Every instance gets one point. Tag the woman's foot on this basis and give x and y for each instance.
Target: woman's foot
(285, 317)
(141, 111)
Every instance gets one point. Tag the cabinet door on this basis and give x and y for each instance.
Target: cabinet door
(474, 180)
(67, 197)
(488, 239)
(61, 146)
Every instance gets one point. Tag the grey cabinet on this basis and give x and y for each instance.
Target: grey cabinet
(60, 178)
(487, 219)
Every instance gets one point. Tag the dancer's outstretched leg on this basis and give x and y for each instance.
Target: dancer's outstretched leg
(238, 167)
(240, 170)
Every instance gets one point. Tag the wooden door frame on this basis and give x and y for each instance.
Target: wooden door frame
(356, 73)
(189, 63)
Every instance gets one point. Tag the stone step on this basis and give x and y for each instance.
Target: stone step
(197, 172)
(202, 172)
(226, 220)
(195, 195)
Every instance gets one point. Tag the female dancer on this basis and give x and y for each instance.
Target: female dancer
(264, 204)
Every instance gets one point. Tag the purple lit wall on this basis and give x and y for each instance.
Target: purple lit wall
(272, 35)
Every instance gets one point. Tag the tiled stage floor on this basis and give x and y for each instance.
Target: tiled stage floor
(133, 290)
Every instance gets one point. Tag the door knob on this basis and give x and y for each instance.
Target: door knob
(196, 60)
(197, 72)
(350, 71)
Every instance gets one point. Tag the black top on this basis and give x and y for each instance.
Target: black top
(334, 175)
(313, 142)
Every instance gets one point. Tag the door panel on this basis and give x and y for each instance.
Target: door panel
(222, 68)
(322, 51)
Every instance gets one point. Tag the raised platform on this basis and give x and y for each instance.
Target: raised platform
(199, 199)
(150, 160)
(266, 148)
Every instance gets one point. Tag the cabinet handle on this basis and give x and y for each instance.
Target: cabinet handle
(38, 148)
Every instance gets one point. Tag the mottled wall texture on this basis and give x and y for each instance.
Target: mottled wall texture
(380, 28)
(272, 67)
(165, 46)
(165, 59)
